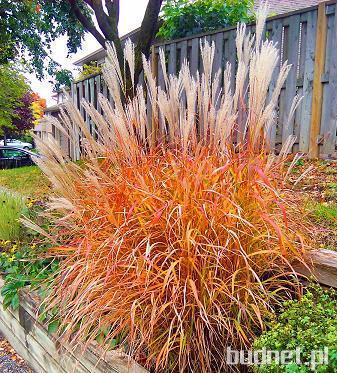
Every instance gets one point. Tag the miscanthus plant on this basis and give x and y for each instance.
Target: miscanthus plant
(176, 243)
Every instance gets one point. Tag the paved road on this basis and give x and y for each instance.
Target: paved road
(10, 361)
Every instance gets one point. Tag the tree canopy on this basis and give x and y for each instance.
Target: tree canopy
(12, 89)
(20, 108)
(184, 17)
(27, 28)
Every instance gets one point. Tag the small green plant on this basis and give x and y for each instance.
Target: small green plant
(89, 69)
(326, 212)
(11, 207)
(184, 18)
(309, 324)
(23, 266)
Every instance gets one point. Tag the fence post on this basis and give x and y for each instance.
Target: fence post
(154, 116)
(317, 97)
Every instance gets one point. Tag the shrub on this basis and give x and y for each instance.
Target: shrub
(176, 241)
(89, 69)
(310, 324)
(183, 17)
(11, 208)
(21, 266)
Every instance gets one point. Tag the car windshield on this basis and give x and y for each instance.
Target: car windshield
(13, 153)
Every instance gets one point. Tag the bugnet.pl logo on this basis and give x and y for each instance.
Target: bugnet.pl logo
(274, 357)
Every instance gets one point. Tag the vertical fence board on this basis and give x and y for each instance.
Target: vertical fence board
(183, 51)
(80, 96)
(98, 91)
(172, 61)
(292, 41)
(194, 62)
(329, 145)
(318, 87)
(275, 29)
(218, 40)
(308, 77)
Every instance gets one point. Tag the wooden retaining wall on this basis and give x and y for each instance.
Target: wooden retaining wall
(43, 352)
(307, 39)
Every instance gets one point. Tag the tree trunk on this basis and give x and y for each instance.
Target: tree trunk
(5, 139)
(108, 31)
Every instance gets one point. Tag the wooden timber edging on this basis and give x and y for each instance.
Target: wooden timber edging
(43, 352)
(324, 267)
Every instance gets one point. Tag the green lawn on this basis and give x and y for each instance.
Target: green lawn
(12, 205)
(28, 181)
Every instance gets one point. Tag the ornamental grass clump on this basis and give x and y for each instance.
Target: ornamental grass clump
(177, 235)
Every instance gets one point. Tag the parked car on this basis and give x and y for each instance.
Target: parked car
(12, 157)
(18, 144)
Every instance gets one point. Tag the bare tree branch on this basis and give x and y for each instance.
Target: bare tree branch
(147, 33)
(113, 9)
(108, 19)
(149, 26)
(87, 23)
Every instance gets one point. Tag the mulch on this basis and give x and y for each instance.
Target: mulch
(10, 361)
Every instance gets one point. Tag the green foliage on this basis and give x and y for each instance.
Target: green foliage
(23, 261)
(11, 208)
(184, 17)
(310, 324)
(89, 69)
(12, 89)
(28, 27)
(63, 79)
(326, 212)
(22, 267)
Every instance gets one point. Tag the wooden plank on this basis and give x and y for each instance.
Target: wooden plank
(324, 267)
(20, 346)
(172, 60)
(153, 120)
(231, 55)
(161, 84)
(194, 59)
(92, 99)
(87, 98)
(330, 139)
(275, 28)
(80, 96)
(92, 91)
(218, 55)
(74, 93)
(105, 89)
(183, 52)
(315, 123)
(292, 46)
(98, 90)
(308, 76)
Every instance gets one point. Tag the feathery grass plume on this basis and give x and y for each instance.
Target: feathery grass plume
(178, 245)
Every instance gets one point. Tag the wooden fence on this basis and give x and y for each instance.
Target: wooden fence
(307, 39)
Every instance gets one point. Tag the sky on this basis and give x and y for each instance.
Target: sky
(131, 15)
